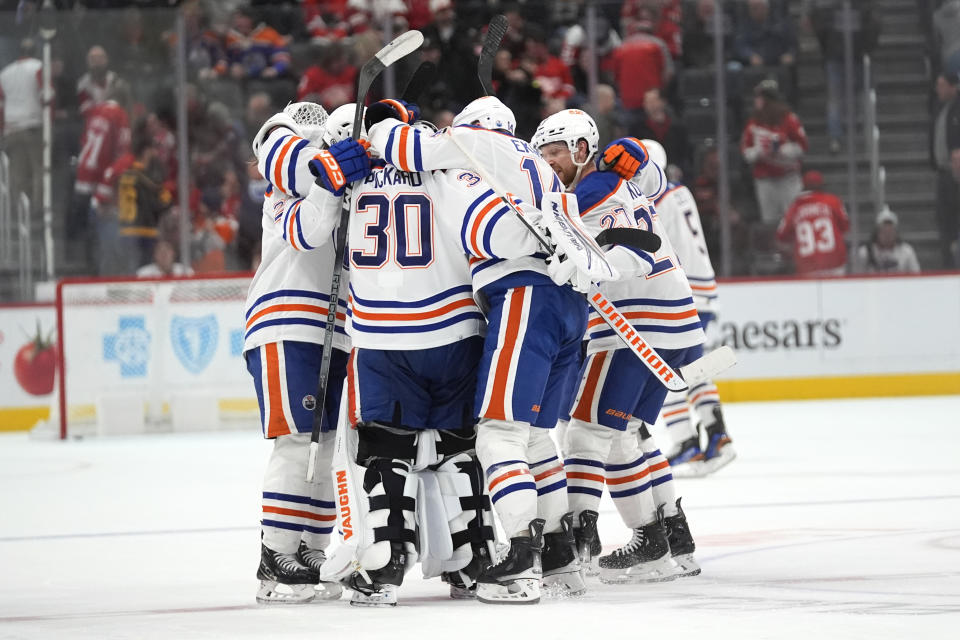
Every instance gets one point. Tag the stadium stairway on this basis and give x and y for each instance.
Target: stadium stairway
(902, 80)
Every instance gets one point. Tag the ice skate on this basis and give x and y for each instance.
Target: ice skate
(378, 587)
(681, 543)
(719, 452)
(314, 559)
(461, 587)
(562, 576)
(688, 460)
(515, 577)
(588, 542)
(284, 579)
(646, 558)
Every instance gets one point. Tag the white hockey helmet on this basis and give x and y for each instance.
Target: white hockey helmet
(569, 126)
(340, 124)
(656, 152)
(306, 119)
(489, 113)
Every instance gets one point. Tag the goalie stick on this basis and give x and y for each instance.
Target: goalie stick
(491, 44)
(708, 365)
(398, 48)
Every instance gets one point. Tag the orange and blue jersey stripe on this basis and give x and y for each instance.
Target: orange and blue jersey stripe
(403, 148)
(292, 307)
(280, 168)
(437, 312)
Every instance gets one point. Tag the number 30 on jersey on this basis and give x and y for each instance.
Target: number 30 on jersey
(400, 230)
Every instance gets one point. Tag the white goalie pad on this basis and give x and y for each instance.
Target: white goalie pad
(561, 217)
(352, 506)
(442, 517)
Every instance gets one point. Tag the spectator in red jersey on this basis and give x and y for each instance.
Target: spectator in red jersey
(659, 124)
(21, 117)
(886, 252)
(92, 87)
(105, 138)
(773, 143)
(815, 224)
(641, 63)
(549, 73)
(329, 80)
(668, 15)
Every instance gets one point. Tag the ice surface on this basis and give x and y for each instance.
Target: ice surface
(839, 519)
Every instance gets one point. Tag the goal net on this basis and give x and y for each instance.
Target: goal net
(152, 355)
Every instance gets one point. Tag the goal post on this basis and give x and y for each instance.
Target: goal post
(152, 355)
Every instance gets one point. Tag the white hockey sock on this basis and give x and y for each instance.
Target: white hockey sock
(703, 398)
(586, 447)
(628, 479)
(661, 480)
(676, 417)
(502, 450)
(288, 504)
(548, 473)
(317, 534)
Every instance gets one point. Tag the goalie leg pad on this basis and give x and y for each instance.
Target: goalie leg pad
(391, 519)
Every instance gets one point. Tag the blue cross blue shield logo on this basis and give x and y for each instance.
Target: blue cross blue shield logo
(194, 341)
(129, 346)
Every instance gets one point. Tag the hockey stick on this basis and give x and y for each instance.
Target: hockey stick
(702, 369)
(636, 238)
(419, 81)
(401, 46)
(491, 44)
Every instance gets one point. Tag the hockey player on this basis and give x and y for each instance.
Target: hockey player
(678, 214)
(285, 318)
(416, 333)
(531, 352)
(600, 443)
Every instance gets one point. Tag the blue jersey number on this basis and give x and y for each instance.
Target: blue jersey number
(409, 215)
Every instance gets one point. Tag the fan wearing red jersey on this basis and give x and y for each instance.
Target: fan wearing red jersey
(815, 224)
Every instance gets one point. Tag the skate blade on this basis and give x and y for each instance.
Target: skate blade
(564, 585)
(387, 597)
(661, 570)
(687, 566)
(462, 593)
(271, 592)
(327, 591)
(719, 461)
(521, 591)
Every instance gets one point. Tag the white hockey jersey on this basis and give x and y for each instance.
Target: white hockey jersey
(410, 235)
(678, 214)
(513, 163)
(660, 304)
(290, 292)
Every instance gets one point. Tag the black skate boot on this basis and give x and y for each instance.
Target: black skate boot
(646, 558)
(681, 543)
(463, 583)
(719, 452)
(515, 577)
(561, 567)
(381, 589)
(284, 579)
(587, 541)
(314, 559)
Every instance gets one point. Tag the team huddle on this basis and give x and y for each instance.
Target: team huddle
(469, 378)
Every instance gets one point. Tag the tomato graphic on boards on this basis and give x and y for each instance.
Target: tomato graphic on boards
(36, 364)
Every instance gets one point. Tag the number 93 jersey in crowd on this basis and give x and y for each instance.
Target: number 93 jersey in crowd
(659, 304)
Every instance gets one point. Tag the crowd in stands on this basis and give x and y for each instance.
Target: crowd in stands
(115, 117)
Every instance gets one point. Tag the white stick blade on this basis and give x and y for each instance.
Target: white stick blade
(709, 366)
(400, 46)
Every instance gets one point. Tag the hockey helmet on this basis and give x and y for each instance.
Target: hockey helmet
(656, 152)
(489, 113)
(306, 119)
(569, 126)
(340, 125)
